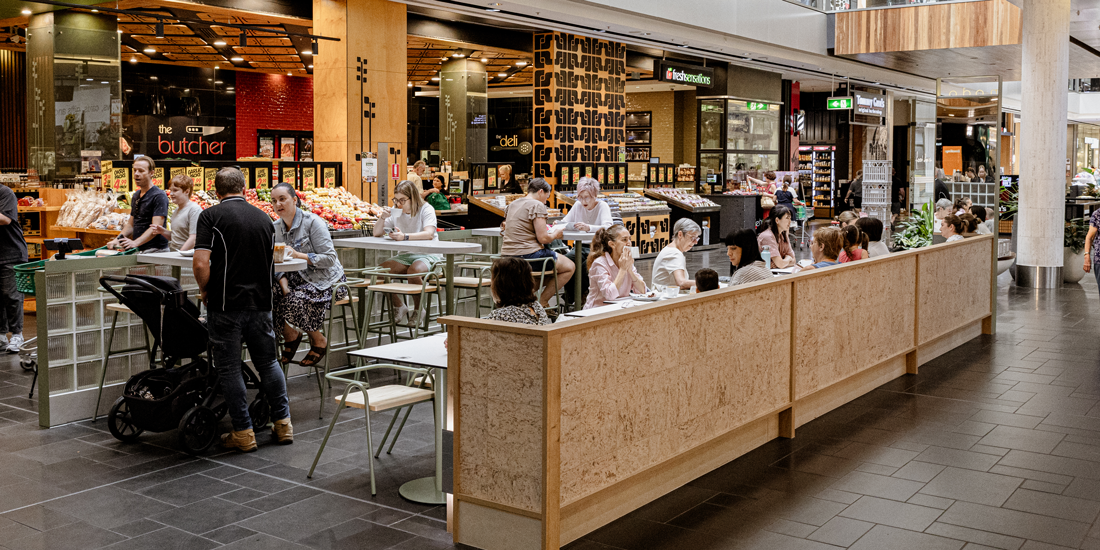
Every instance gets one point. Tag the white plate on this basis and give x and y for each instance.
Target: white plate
(187, 253)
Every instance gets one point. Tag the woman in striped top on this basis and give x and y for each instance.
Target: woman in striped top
(744, 253)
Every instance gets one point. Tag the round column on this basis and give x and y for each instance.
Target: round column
(1040, 219)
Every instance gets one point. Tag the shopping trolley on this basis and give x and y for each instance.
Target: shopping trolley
(801, 218)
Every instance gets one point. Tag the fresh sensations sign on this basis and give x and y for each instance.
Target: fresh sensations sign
(692, 75)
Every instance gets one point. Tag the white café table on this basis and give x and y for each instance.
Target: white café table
(177, 260)
(427, 352)
(446, 248)
(578, 238)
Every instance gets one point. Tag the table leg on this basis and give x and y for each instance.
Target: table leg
(429, 490)
(449, 274)
(177, 272)
(578, 300)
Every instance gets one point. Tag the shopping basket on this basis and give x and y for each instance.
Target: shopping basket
(24, 273)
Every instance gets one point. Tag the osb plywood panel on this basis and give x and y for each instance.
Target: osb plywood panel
(500, 414)
(852, 319)
(635, 394)
(958, 25)
(954, 286)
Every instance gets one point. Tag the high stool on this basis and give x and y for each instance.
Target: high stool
(542, 269)
(107, 353)
(371, 400)
(475, 284)
(429, 286)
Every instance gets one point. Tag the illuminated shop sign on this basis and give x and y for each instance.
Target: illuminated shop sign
(869, 104)
(692, 75)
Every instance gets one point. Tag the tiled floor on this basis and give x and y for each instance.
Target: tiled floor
(996, 445)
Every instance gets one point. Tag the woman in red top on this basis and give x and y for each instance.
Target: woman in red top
(855, 244)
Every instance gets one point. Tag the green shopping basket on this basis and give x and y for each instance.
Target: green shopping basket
(24, 273)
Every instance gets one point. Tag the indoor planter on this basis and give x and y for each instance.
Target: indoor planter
(1073, 257)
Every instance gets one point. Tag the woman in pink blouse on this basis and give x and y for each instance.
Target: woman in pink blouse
(611, 267)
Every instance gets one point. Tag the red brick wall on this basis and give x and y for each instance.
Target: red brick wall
(271, 102)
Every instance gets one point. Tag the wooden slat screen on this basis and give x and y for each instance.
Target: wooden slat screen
(13, 109)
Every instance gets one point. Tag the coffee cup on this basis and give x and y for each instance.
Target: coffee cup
(635, 253)
(279, 253)
(671, 291)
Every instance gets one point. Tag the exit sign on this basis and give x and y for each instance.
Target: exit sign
(839, 104)
(757, 106)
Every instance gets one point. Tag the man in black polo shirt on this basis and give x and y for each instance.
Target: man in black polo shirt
(148, 208)
(234, 267)
(13, 251)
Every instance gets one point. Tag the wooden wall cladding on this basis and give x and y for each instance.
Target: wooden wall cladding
(13, 109)
(932, 27)
(579, 101)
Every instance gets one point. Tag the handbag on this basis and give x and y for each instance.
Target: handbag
(767, 203)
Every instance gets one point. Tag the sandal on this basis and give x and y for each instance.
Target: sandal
(314, 356)
(290, 349)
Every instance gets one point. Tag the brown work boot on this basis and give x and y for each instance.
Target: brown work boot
(243, 441)
(283, 431)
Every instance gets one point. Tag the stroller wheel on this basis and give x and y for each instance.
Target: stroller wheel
(27, 363)
(198, 429)
(260, 412)
(121, 422)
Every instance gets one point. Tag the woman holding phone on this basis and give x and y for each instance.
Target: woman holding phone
(412, 219)
(611, 267)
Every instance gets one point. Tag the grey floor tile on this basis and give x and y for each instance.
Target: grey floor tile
(892, 513)
(228, 534)
(838, 496)
(975, 536)
(356, 534)
(875, 454)
(185, 490)
(1055, 488)
(167, 538)
(261, 541)
(919, 471)
(665, 508)
(841, 531)
(108, 507)
(1022, 439)
(74, 536)
(40, 517)
(971, 486)
(958, 458)
(1054, 505)
(205, 515)
(1062, 466)
(1015, 524)
(308, 516)
(921, 499)
(879, 486)
(882, 537)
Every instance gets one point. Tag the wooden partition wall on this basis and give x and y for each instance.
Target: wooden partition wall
(562, 429)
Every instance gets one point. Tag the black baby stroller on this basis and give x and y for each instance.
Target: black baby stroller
(184, 397)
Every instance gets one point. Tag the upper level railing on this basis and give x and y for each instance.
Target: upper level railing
(833, 6)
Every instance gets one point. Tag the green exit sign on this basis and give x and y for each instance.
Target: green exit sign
(839, 104)
(757, 106)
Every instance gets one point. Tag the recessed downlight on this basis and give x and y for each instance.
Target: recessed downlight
(149, 50)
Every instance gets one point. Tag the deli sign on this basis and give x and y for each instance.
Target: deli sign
(681, 73)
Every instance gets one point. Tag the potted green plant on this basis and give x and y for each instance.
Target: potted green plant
(916, 231)
(1073, 256)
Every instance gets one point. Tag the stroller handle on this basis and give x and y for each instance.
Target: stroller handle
(130, 280)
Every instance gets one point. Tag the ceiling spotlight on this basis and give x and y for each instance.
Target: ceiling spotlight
(483, 60)
(521, 63)
(133, 60)
(313, 47)
(435, 79)
(150, 50)
(458, 55)
(684, 46)
(491, 9)
(95, 10)
(288, 74)
(410, 84)
(599, 30)
(310, 66)
(104, 82)
(129, 91)
(244, 39)
(119, 31)
(153, 78)
(216, 67)
(26, 11)
(160, 28)
(502, 74)
(219, 42)
(236, 58)
(186, 91)
(209, 79)
(306, 52)
(230, 88)
(88, 79)
(217, 82)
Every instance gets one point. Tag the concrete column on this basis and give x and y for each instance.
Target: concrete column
(463, 113)
(1043, 165)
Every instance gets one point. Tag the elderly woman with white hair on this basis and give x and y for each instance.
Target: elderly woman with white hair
(589, 214)
(944, 208)
(670, 267)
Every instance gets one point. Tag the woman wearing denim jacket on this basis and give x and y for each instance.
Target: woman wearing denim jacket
(303, 297)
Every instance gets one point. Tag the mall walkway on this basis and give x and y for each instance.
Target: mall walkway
(996, 445)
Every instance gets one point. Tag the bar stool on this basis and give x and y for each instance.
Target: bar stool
(542, 269)
(429, 286)
(107, 353)
(481, 270)
(382, 398)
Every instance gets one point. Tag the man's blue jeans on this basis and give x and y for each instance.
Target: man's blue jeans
(227, 330)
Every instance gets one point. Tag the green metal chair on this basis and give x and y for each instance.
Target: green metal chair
(381, 281)
(358, 394)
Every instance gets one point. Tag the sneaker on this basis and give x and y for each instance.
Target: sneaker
(401, 317)
(414, 318)
(14, 343)
(243, 441)
(283, 431)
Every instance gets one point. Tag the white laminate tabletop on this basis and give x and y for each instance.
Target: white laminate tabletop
(427, 352)
(426, 247)
(178, 260)
(581, 236)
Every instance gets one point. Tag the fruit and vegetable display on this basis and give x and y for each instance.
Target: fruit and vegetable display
(28, 201)
(338, 207)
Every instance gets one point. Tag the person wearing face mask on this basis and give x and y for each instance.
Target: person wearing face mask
(301, 298)
(148, 209)
(588, 214)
